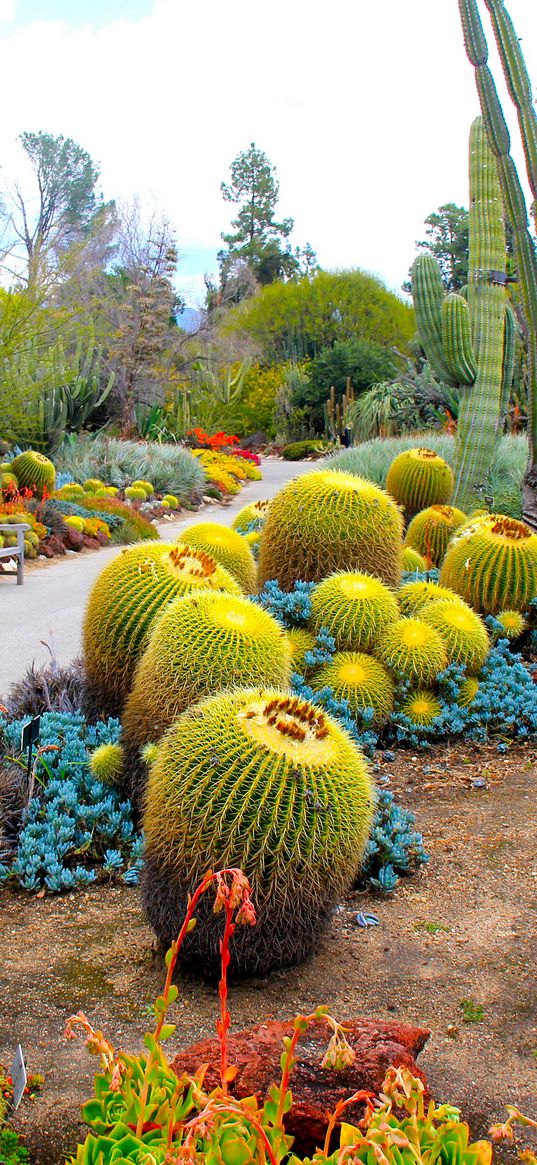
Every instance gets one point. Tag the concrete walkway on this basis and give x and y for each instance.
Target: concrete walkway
(49, 608)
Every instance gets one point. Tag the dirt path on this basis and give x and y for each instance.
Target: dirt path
(464, 928)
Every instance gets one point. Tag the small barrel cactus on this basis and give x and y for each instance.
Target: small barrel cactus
(147, 487)
(413, 650)
(300, 641)
(34, 471)
(430, 531)
(462, 631)
(412, 561)
(267, 782)
(418, 478)
(355, 608)
(492, 563)
(359, 679)
(415, 595)
(251, 517)
(135, 494)
(421, 708)
(226, 547)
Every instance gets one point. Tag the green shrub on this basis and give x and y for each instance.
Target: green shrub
(297, 450)
(170, 468)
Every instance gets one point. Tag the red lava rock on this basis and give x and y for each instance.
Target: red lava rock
(256, 1055)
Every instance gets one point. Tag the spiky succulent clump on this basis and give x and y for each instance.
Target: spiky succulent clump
(146, 486)
(430, 531)
(203, 643)
(92, 485)
(418, 478)
(8, 480)
(135, 494)
(70, 493)
(421, 707)
(355, 608)
(76, 522)
(412, 560)
(463, 632)
(413, 596)
(228, 548)
(106, 763)
(267, 782)
(361, 680)
(512, 624)
(413, 650)
(170, 500)
(493, 564)
(251, 517)
(125, 600)
(468, 692)
(300, 641)
(34, 471)
(326, 521)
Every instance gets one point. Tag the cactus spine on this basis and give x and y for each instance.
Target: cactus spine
(519, 87)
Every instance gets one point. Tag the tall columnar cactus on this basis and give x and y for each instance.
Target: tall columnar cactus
(469, 342)
(519, 87)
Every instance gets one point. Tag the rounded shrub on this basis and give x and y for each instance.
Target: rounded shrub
(430, 531)
(355, 608)
(300, 641)
(127, 597)
(203, 643)
(462, 631)
(251, 517)
(267, 782)
(421, 707)
(418, 478)
(92, 484)
(413, 650)
(326, 521)
(170, 500)
(412, 560)
(361, 680)
(34, 471)
(413, 596)
(228, 548)
(135, 493)
(147, 487)
(493, 564)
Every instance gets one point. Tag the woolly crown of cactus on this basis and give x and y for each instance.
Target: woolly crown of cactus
(355, 608)
(261, 780)
(492, 563)
(418, 478)
(127, 597)
(326, 521)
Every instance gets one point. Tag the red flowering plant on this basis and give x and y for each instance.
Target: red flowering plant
(219, 441)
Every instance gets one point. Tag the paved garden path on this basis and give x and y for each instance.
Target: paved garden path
(49, 608)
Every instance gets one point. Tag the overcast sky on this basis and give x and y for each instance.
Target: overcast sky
(364, 109)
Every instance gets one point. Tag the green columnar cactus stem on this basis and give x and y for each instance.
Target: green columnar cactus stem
(457, 339)
(479, 408)
(428, 294)
(513, 196)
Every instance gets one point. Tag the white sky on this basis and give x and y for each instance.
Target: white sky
(364, 108)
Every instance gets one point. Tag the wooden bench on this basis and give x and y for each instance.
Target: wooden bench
(15, 551)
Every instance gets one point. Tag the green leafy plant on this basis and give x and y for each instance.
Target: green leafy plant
(472, 1012)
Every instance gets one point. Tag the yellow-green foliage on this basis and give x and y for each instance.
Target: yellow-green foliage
(8, 480)
(251, 517)
(421, 707)
(412, 560)
(463, 632)
(203, 643)
(76, 523)
(34, 471)
(146, 486)
(124, 602)
(418, 478)
(468, 691)
(414, 650)
(360, 679)
(430, 531)
(326, 521)
(92, 485)
(226, 547)
(355, 608)
(267, 782)
(493, 564)
(135, 494)
(170, 500)
(106, 763)
(300, 641)
(512, 623)
(413, 596)
(70, 493)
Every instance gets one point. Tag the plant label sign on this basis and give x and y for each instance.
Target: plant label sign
(19, 1077)
(30, 734)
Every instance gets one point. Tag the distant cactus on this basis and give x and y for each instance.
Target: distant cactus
(430, 531)
(34, 471)
(418, 478)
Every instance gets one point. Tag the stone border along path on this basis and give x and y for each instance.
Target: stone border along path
(49, 608)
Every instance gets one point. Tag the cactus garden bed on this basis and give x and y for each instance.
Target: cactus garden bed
(454, 951)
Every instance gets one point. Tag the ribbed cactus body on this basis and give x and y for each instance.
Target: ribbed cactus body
(421, 707)
(354, 608)
(125, 600)
(327, 521)
(251, 517)
(300, 641)
(264, 781)
(203, 643)
(428, 295)
(412, 560)
(359, 679)
(413, 650)
(457, 339)
(414, 595)
(34, 471)
(462, 631)
(430, 531)
(228, 548)
(493, 564)
(418, 478)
